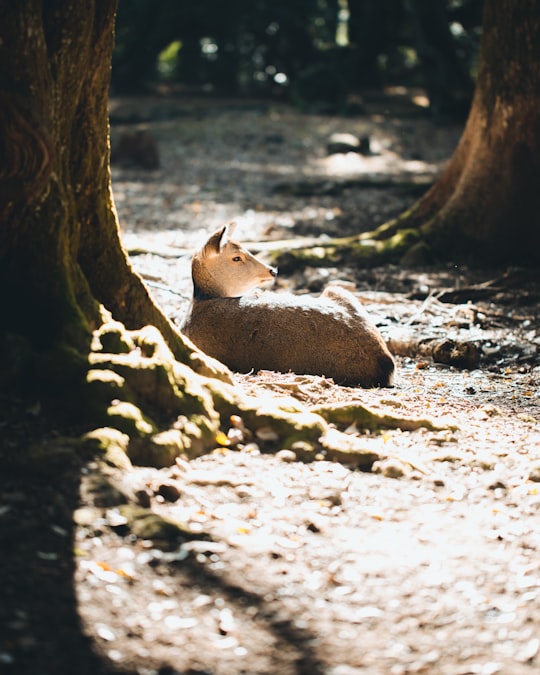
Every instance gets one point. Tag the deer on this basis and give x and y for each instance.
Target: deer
(252, 330)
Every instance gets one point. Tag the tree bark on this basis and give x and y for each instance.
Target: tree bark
(61, 258)
(60, 252)
(485, 208)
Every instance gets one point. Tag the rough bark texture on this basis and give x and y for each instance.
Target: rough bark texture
(60, 252)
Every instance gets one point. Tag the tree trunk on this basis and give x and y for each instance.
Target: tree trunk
(63, 270)
(60, 253)
(485, 208)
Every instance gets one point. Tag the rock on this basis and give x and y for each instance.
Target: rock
(169, 492)
(343, 143)
(534, 473)
(87, 516)
(143, 497)
(391, 468)
(497, 485)
(286, 455)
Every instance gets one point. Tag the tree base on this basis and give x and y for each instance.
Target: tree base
(139, 405)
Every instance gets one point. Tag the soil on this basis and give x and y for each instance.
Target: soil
(428, 562)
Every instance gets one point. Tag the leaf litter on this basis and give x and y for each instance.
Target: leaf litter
(425, 561)
(428, 562)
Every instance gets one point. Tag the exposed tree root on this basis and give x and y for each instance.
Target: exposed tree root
(345, 414)
(153, 409)
(365, 250)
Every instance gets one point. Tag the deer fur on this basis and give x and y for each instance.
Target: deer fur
(329, 335)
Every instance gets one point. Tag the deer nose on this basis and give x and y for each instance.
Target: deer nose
(273, 271)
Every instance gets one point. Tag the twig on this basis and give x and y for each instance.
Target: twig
(162, 287)
(139, 250)
(433, 296)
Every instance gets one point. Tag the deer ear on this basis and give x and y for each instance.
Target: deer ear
(219, 239)
(215, 242)
(226, 234)
(229, 229)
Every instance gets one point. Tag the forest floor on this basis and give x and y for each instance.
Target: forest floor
(428, 563)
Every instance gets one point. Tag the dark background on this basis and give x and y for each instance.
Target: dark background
(316, 54)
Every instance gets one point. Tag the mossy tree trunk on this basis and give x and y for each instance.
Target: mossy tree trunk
(485, 208)
(64, 276)
(60, 253)
(78, 330)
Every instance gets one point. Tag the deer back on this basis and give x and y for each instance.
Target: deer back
(330, 335)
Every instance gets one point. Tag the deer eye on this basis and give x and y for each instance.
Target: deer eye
(237, 258)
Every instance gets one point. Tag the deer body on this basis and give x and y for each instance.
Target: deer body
(329, 335)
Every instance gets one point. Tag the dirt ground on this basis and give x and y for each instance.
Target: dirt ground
(429, 562)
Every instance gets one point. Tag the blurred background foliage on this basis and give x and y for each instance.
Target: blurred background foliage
(315, 53)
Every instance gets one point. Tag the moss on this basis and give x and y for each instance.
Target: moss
(157, 379)
(145, 524)
(130, 419)
(105, 384)
(386, 244)
(113, 339)
(153, 383)
(199, 434)
(111, 443)
(159, 451)
(286, 422)
(343, 415)
(347, 449)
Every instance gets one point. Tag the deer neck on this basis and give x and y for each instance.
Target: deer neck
(205, 286)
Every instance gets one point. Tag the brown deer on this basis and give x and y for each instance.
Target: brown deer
(329, 335)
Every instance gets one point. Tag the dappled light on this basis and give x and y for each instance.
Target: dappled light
(312, 53)
(392, 554)
(268, 169)
(309, 192)
(381, 162)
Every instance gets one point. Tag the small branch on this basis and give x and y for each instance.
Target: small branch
(163, 287)
(141, 250)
